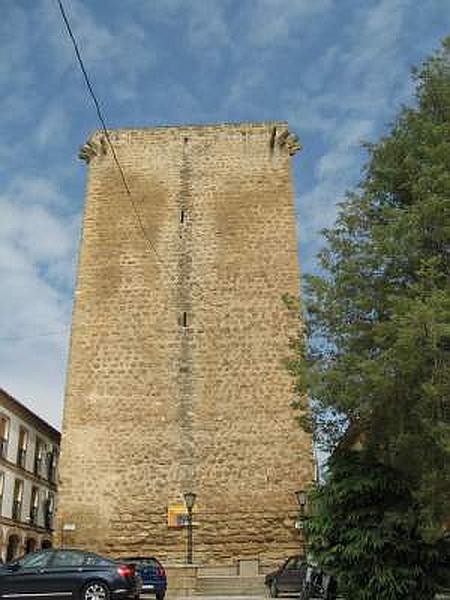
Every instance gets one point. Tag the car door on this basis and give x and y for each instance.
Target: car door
(292, 574)
(285, 577)
(27, 576)
(66, 573)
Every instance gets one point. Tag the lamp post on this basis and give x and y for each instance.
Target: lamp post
(301, 501)
(189, 500)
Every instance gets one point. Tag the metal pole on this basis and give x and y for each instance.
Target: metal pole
(189, 536)
(302, 529)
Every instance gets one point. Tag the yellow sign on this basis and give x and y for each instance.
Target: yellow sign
(176, 515)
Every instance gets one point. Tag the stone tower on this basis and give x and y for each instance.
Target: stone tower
(175, 378)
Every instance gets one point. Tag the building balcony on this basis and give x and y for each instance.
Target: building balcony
(17, 511)
(22, 457)
(33, 515)
(37, 467)
(49, 521)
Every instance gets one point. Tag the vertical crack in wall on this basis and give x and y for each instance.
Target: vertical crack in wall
(185, 323)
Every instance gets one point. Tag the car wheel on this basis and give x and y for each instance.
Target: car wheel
(160, 596)
(95, 590)
(273, 589)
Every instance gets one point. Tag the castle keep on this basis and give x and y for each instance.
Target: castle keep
(175, 378)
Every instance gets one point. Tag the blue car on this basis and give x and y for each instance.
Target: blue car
(152, 573)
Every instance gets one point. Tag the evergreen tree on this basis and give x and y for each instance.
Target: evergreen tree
(377, 349)
(365, 531)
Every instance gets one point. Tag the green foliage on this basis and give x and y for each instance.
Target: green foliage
(364, 530)
(375, 358)
(378, 315)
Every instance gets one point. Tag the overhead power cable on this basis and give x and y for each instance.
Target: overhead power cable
(108, 139)
(102, 120)
(91, 91)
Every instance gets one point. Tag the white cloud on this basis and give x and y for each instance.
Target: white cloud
(37, 232)
(52, 128)
(122, 53)
(258, 57)
(207, 26)
(33, 371)
(37, 227)
(273, 21)
(311, 112)
(26, 191)
(32, 363)
(377, 35)
(317, 209)
(367, 78)
(37, 246)
(14, 31)
(341, 161)
(243, 89)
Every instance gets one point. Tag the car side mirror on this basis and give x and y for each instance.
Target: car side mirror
(13, 566)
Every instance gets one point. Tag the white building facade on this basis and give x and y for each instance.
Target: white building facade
(29, 450)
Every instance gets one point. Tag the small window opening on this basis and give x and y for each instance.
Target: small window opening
(272, 138)
(185, 319)
(186, 140)
(182, 216)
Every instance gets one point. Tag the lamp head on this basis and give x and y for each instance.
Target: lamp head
(189, 499)
(301, 498)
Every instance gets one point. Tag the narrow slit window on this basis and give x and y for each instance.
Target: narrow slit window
(182, 216)
(272, 138)
(185, 319)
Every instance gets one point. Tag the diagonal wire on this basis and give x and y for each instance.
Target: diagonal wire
(122, 174)
(108, 138)
(101, 118)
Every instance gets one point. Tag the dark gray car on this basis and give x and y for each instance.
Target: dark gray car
(65, 574)
(288, 578)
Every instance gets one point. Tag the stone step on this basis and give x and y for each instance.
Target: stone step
(231, 585)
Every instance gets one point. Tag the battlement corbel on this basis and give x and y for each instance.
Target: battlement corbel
(290, 140)
(91, 149)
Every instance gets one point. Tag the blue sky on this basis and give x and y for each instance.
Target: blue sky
(337, 70)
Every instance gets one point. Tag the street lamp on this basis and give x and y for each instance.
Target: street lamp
(189, 500)
(301, 501)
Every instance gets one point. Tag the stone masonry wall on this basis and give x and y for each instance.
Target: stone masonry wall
(175, 381)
